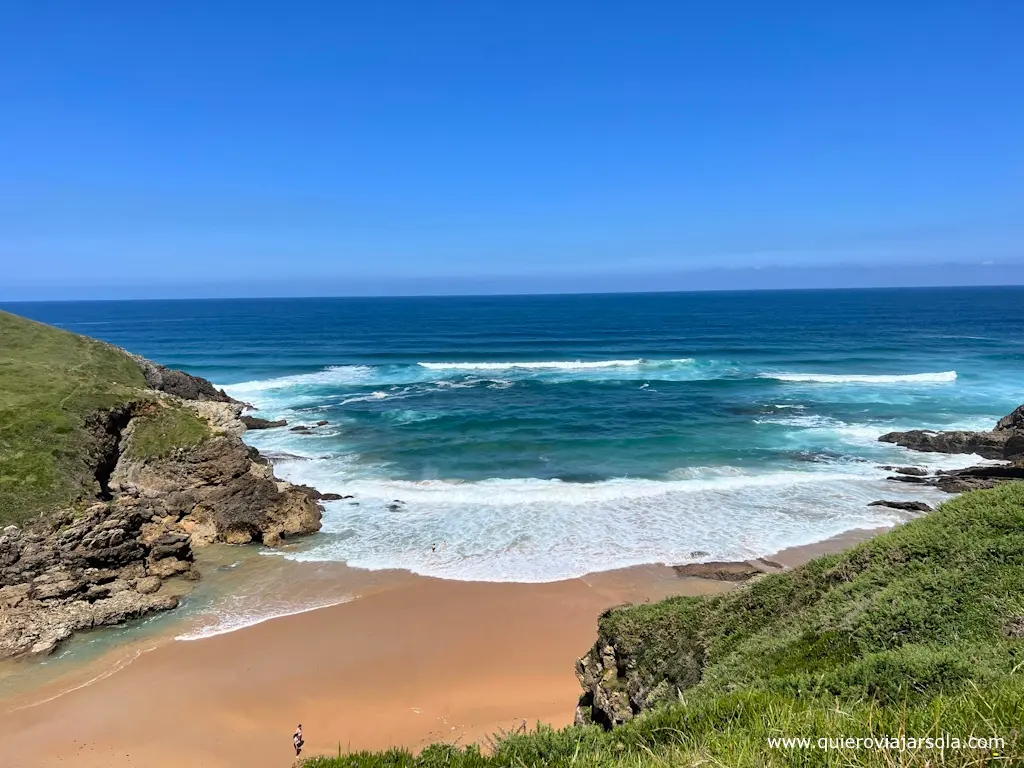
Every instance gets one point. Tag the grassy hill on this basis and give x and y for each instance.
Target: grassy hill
(56, 389)
(917, 633)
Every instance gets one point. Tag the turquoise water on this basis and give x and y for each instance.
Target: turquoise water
(535, 438)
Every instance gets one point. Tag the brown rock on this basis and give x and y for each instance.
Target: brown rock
(991, 445)
(168, 567)
(148, 585)
(719, 571)
(175, 545)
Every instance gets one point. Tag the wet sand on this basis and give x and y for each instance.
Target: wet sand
(411, 661)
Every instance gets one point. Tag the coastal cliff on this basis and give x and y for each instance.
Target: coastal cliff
(112, 469)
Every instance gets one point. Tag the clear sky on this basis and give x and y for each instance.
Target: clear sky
(301, 148)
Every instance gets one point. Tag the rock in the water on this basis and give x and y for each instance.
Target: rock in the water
(912, 471)
(906, 506)
(322, 423)
(254, 422)
(301, 429)
(912, 479)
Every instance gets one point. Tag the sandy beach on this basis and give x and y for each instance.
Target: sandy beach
(411, 661)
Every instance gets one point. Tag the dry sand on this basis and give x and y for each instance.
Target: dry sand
(413, 660)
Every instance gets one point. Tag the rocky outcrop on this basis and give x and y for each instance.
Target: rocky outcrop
(128, 551)
(1012, 421)
(909, 471)
(98, 566)
(255, 422)
(178, 383)
(990, 445)
(977, 478)
(1005, 442)
(221, 490)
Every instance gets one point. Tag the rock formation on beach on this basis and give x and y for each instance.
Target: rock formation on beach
(1004, 442)
(147, 464)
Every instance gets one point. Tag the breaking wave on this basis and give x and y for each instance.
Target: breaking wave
(552, 365)
(863, 378)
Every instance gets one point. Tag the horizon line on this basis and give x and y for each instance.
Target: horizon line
(532, 294)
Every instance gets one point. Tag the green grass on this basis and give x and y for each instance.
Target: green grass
(50, 382)
(907, 634)
(161, 429)
(733, 731)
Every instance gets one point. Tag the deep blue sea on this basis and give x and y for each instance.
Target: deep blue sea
(535, 438)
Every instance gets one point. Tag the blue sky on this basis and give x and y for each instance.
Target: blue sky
(301, 148)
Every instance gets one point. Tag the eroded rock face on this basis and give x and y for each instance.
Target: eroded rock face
(224, 490)
(618, 683)
(87, 569)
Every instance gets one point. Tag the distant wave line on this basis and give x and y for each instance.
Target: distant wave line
(559, 365)
(863, 378)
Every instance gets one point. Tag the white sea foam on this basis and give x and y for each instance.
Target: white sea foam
(339, 375)
(863, 378)
(535, 530)
(224, 620)
(366, 398)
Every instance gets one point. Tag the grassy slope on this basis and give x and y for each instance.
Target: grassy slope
(50, 382)
(906, 634)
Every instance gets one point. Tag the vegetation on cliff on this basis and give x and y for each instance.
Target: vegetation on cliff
(916, 633)
(53, 383)
(160, 429)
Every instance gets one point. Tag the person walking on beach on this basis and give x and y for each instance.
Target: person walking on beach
(297, 740)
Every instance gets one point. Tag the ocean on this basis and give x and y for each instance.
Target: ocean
(535, 438)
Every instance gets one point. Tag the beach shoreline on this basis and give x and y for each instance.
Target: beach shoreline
(408, 661)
